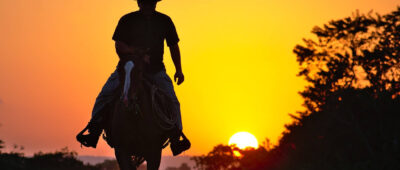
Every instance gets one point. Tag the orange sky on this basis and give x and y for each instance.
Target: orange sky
(237, 58)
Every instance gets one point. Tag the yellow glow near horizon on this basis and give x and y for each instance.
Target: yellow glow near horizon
(240, 71)
(243, 140)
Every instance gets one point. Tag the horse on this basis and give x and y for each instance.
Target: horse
(140, 124)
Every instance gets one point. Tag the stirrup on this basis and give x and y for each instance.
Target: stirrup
(89, 140)
(178, 146)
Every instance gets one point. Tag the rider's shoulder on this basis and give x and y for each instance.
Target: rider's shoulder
(130, 15)
(163, 16)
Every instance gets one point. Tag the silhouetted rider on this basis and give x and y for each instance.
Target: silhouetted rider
(145, 28)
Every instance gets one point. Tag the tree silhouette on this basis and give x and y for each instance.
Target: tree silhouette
(63, 159)
(224, 157)
(359, 51)
(352, 100)
(220, 158)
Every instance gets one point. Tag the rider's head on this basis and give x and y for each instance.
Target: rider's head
(147, 5)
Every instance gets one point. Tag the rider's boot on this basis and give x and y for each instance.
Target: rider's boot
(178, 145)
(91, 139)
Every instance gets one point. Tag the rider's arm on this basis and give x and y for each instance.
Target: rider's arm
(172, 42)
(123, 49)
(176, 58)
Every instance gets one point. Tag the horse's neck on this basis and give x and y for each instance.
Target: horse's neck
(138, 83)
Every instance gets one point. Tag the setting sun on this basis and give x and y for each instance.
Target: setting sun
(243, 140)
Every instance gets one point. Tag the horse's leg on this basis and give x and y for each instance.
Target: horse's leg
(154, 159)
(124, 160)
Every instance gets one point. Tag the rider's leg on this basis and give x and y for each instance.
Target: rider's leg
(164, 82)
(105, 96)
(95, 125)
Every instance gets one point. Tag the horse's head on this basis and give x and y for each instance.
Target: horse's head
(130, 70)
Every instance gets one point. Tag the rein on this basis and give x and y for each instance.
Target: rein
(162, 106)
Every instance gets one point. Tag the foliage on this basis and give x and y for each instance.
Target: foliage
(220, 158)
(358, 131)
(224, 157)
(355, 52)
(63, 159)
(12, 161)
